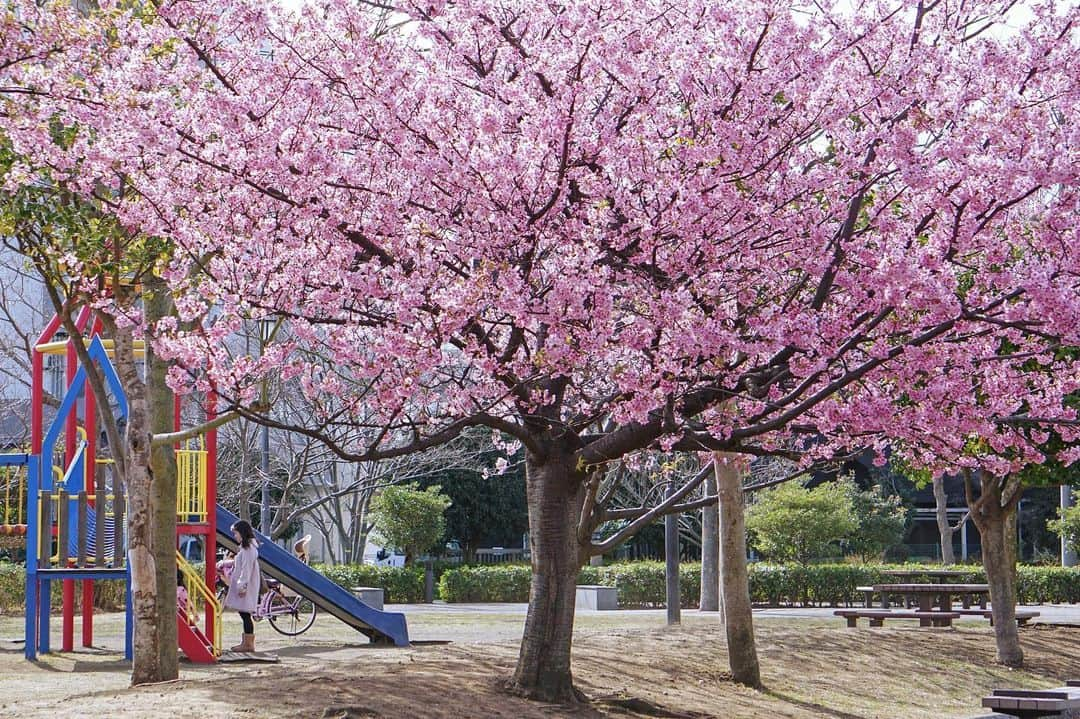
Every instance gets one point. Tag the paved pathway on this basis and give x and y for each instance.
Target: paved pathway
(1049, 613)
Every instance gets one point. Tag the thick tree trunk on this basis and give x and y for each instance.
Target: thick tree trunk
(992, 512)
(734, 578)
(941, 505)
(1000, 564)
(555, 492)
(140, 532)
(162, 489)
(710, 552)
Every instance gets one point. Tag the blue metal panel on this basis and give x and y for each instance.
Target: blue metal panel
(13, 460)
(30, 648)
(44, 593)
(129, 617)
(328, 596)
(82, 573)
(76, 469)
(96, 351)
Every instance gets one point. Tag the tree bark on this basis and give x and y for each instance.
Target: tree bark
(941, 505)
(999, 562)
(140, 532)
(555, 492)
(991, 512)
(160, 398)
(734, 578)
(710, 552)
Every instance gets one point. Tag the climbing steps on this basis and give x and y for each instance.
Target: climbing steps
(193, 642)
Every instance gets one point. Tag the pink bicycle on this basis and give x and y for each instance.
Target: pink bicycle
(288, 613)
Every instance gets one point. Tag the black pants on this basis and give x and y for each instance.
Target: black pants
(249, 626)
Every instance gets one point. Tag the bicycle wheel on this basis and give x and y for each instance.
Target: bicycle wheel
(292, 616)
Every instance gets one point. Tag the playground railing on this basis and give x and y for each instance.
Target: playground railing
(78, 521)
(200, 596)
(14, 481)
(191, 469)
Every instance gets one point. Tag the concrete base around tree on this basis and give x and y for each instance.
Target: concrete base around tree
(371, 596)
(595, 597)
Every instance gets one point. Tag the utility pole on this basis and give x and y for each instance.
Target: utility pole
(671, 554)
(264, 504)
(267, 329)
(1068, 554)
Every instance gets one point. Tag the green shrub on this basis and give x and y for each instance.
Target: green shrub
(400, 585)
(1047, 585)
(641, 585)
(495, 583)
(108, 594)
(12, 588)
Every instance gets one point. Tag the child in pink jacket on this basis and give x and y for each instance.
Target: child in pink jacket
(245, 582)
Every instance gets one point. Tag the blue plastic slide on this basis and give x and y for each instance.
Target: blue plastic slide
(275, 562)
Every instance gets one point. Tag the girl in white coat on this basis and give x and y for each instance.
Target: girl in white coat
(245, 582)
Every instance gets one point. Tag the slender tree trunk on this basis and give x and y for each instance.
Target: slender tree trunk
(941, 506)
(734, 577)
(160, 398)
(710, 552)
(555, 493)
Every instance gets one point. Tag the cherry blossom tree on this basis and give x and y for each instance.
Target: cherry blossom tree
(749, 228)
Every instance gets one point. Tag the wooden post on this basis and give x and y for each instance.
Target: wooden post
(80, 558)
(100, 502)
(62, 529)
(118, 530)
(45, 531)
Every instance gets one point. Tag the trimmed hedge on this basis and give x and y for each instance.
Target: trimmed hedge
(642, 585)
(494, 583)
(108, 594)
(400, 585)
(639, 584)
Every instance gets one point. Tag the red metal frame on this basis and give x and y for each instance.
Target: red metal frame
(208, 530)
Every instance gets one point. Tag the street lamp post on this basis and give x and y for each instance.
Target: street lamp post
(264, 504)
(267, 329)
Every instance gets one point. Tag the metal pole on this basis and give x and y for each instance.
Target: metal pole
(264, 506)
(671, 555)
(1019, 531)
(266, 330)
(1068, 554)
(429, 581)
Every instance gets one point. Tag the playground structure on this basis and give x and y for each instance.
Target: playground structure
(63, 502)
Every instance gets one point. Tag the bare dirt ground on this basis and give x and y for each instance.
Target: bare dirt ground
(812, 668)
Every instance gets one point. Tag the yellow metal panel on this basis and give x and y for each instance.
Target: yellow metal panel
(200, 594)
(59, 347)
(191, 470)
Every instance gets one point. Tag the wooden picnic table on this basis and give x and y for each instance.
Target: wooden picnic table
(925, 594)
(942, 575)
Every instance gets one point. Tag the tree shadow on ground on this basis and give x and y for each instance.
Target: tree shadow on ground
(811, 706)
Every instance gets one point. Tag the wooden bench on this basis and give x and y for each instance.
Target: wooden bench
(877, 617)
(868, 593)
(1030, 703)
(1023, 616)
